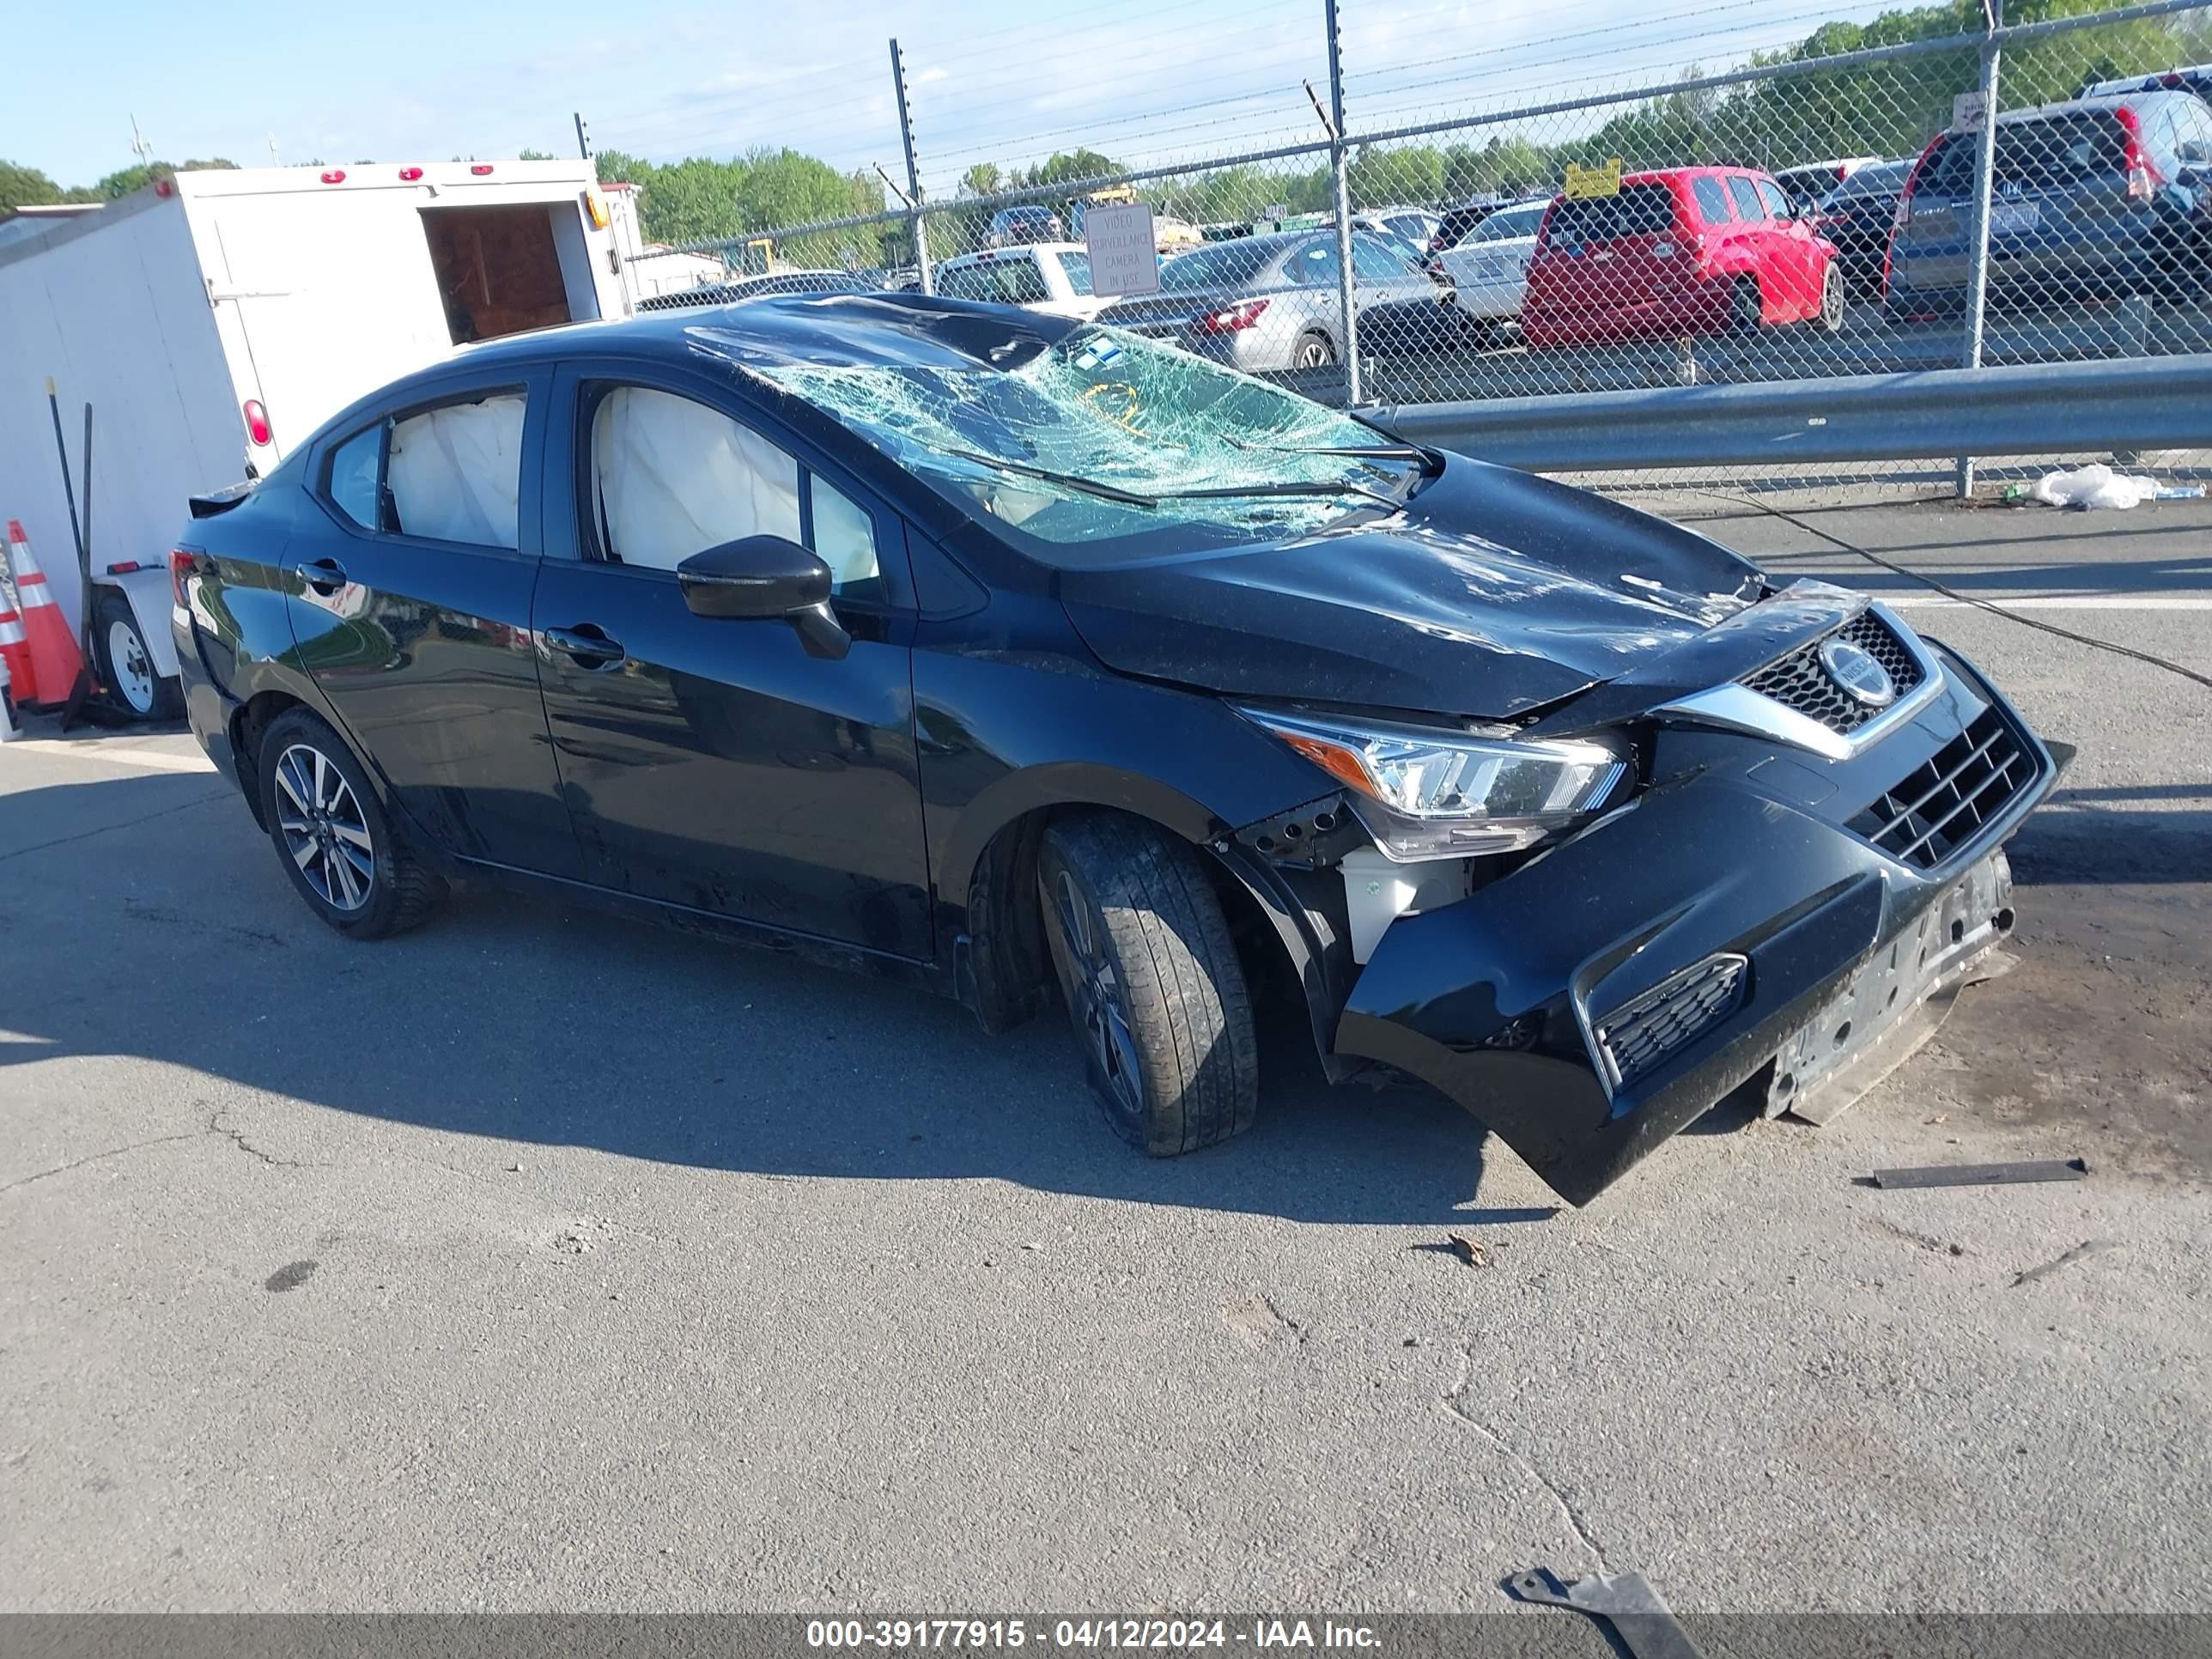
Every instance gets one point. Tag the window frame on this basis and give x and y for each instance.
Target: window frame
(576, 391)
(531, 385)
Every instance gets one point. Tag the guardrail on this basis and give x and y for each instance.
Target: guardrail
(2030, 409)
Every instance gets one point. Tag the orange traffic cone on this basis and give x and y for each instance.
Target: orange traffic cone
(55, 662)
(15, 652)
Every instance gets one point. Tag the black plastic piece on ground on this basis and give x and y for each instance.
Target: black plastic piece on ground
(1986, 1174)
(1642, 1621)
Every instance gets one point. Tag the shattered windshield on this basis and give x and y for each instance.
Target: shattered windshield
(1073, 448)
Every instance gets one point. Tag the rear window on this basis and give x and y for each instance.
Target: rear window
(1225, 264)
(2052, 151)
(1637, 210)
(1884, 179)
(997, 282)
(1511, 222)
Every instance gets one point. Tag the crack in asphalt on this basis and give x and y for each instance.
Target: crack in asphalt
(237, 1138)
(1453, 1401)
(95, 1158)
(109, 829)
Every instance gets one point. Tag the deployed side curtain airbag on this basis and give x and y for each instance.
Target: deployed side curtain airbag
(456, 472)
(677, 477)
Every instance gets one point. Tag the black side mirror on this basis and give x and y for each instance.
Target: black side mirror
(759, 577)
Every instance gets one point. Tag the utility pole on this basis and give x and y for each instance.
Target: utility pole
(921, 226)
(141, 146)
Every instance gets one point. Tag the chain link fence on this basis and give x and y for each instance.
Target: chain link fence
(2032, 192)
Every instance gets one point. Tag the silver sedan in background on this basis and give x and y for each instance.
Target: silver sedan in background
(1270, 303)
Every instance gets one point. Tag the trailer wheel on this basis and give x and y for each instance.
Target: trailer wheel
(127, 666)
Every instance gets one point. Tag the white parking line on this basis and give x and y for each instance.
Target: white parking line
(2062, 602)
(151, 760)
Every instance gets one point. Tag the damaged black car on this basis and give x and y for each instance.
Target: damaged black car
(1033, 661)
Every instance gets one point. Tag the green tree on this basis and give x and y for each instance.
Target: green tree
(116, 185)
(23, 186)
(537, 156)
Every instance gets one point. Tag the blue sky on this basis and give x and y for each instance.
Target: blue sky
(1004, 81)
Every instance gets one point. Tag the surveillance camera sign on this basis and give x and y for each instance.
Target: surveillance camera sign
(1124, 259)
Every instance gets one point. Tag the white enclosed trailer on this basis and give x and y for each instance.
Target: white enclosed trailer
(213, 320)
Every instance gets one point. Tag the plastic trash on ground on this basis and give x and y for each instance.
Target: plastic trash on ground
(2094, 486)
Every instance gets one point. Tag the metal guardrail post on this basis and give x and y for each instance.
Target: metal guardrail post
(1339, 166)
(1978, 252)
(918, 225)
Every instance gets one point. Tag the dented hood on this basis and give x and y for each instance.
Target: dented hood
(1495, 593)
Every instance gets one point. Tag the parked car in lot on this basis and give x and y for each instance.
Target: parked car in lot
(1263, 303)
(1416, 224)
(1489, 268)
(1006, 655)
(1012, 226)
(1453, 227)
(2197, 78)
(1682, 251)
(1050, 277)
(2095, 198)
(1809, 181)
(1857, 215)
(758, 288)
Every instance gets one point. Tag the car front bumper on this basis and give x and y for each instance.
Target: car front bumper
(1731, 910)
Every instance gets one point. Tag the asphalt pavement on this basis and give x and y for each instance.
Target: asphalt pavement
(539, 1260)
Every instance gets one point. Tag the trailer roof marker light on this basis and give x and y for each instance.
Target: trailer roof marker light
(482, 169)
(335, 176)
(257, 423)
(408, 175)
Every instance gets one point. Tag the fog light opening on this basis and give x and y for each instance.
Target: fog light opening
(2004, 919)
(1892, 1003)
(1786, 1085)
(1843, 1034)
(1957, 932)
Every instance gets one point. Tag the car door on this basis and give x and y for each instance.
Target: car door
(1755, 240)
(1797, 254)
(408, 585)
(715, 763)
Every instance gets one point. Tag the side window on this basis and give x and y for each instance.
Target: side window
(1747, 205)
(1375, 262)
(1771, 195)
(671, 477)
(965, 282)
(356, 486)
(455, 472)
(1712, 200)
(1078, 268)
(1313, 264)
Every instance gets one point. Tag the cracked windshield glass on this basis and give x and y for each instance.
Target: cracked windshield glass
(1113, 414)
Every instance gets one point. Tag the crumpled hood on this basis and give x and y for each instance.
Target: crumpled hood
(1496, 593)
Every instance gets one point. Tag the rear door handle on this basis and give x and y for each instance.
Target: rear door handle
(324, 575)
(591, 650)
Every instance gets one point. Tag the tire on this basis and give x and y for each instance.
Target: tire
(332, 836)
(1830, 314)
(1151, 981)
(1747, 311)
(1313, 350)
(127, 666)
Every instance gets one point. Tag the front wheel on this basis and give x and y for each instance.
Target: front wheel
(1151, 980)
(127, 666)
(1831, 301)
(332, 836)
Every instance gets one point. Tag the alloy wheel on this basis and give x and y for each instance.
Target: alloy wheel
(126, 658)
(1831, 301)
(1314, 352)
(1095, 988)
(324, 827)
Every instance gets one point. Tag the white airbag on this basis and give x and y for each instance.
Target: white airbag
(677, 477)
(456, 472)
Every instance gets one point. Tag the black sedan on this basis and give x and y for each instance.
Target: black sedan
(1026, 659)
(1857, 216)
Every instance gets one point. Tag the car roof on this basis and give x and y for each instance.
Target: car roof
(993, 255)
(2099, 104)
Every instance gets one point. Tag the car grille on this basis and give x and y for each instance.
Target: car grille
(1643, 1031)
(1938, 807)
(1798, 681)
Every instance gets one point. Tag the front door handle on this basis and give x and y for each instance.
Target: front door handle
(324, 575)
(590, 649)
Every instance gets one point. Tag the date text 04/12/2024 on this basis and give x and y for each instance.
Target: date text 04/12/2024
(1165, 1634)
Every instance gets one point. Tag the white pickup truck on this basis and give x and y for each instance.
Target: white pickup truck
(1489, 268)
(1054, 278)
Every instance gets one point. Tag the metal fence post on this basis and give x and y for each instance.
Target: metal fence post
(920, 226)
(1340, 159)
(583, 138)
(1978, 252)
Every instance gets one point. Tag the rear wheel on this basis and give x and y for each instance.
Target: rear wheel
(1745, 310)
(127, 666)
(1153, 983)
(1313, 350)
(334, 840)
(1831, 301)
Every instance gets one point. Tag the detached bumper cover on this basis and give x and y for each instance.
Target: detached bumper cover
(1602, 997)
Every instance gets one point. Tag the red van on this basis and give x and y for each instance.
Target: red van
(1681, 250)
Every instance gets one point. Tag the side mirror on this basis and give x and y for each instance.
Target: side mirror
(761, 577)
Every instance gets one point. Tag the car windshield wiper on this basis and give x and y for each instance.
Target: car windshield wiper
(1088, 486)
(1432, 463)
(1279, 487)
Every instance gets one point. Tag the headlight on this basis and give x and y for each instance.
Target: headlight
(1425, 794)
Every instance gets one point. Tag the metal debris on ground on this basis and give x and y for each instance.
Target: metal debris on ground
(1986, 1174)
(1640, 1619)
(2086, 1248)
